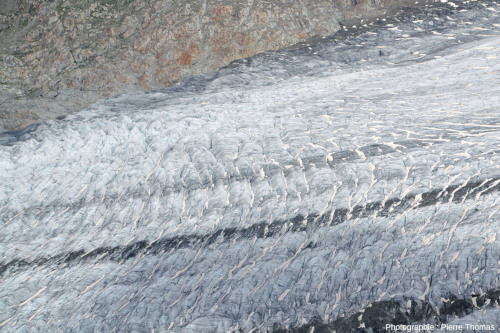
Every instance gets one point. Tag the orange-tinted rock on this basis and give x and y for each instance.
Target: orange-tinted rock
(92, 49)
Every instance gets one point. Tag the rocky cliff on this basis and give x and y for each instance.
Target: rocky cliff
(59, 56)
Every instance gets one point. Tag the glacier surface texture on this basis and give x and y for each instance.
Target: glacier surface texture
(299, 186)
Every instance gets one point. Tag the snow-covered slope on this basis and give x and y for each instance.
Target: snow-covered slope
(295, 185)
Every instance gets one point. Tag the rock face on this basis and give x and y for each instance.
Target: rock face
(60, 56)
(343, 186)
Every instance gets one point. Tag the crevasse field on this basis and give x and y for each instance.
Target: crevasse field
(309, 184)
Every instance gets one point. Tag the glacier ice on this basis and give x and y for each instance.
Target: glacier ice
(297, 184)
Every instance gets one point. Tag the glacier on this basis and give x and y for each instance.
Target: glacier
(306, 185)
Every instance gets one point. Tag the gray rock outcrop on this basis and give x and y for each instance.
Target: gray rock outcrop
(59, 56)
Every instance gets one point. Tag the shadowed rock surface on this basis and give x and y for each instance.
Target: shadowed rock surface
(342, 185)
(404, 312)
(59, 56)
